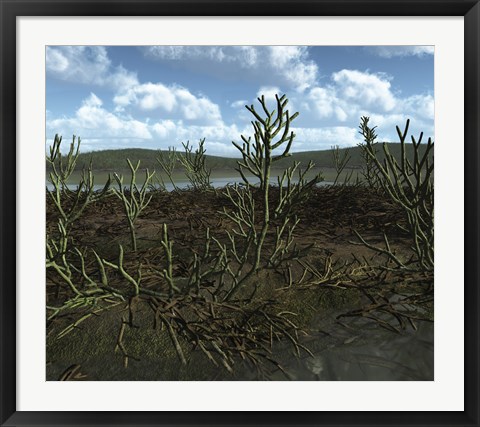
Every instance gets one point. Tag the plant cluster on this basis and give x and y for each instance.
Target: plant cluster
(209, 296)
(216, 273)
(409, 184)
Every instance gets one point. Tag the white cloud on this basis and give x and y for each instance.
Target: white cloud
(92, 121)
(86, 65)
(287, 65)
(401, 51)
(219, 138)
(387, 123)
(248, 55)
(293, 60)
(180, 53)
(177, 101)
(348, 93)
(269, 92)
(194, 108)
(351, 94)
(101, 129)
(164, 129)
(323, 138)
(56, 62)
(323, 101)
(329, 113)
(239, 104)
(148, 96)
(364, 88)
(244, 56)
(421, 105)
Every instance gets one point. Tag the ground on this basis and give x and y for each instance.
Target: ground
(330, 283)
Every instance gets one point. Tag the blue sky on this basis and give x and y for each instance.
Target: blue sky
(160, 96)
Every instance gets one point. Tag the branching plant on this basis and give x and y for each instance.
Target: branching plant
(272, 131)
(167, 245)
(70, 204)
(168, 161)
(197, 310)
(61, 170)
(194, 163)
(408, 181)
(368, 148)
(134, 199)
(340, 161)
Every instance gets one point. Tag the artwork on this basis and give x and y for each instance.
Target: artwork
(239, 213)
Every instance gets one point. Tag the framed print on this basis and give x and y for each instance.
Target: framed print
(235, 203)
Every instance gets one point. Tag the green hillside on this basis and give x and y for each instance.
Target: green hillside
(114, 160)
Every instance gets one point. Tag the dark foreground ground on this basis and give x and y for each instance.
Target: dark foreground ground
(331, 312)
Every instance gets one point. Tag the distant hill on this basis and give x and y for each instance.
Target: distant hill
(115, 160)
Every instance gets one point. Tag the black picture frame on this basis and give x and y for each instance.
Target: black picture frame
(10, 9)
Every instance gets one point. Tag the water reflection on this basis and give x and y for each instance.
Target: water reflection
(184, 184)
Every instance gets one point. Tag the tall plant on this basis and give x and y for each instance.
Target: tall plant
(195, 166)
(408, 181)
(368, 149)
(69, 204)
(168, 161)
(271, 132)
(134, 199)
(340, 162)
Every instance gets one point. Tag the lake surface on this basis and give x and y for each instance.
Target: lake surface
(216, 182)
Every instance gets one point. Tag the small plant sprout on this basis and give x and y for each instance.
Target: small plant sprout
(194, 163)
(134, 200)
(167, 245)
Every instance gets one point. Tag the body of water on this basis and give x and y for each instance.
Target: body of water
(217, 182)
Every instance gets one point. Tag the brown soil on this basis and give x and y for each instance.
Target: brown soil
(328, 221)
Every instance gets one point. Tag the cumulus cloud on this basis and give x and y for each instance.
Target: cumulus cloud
(164, 129)
(351, 94)
(92, 121)
(287, 65)
(421, 105)
(100, 129)
(401, 51)
(239, 104)
(218, 138)
(245, 56)
(86, 65)
(347, 94)
(387, 126)
(329, 112)
(269, 92)
(174, 100)
(325, 103)
(324, 138)
(293, 60)
(364, 88)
